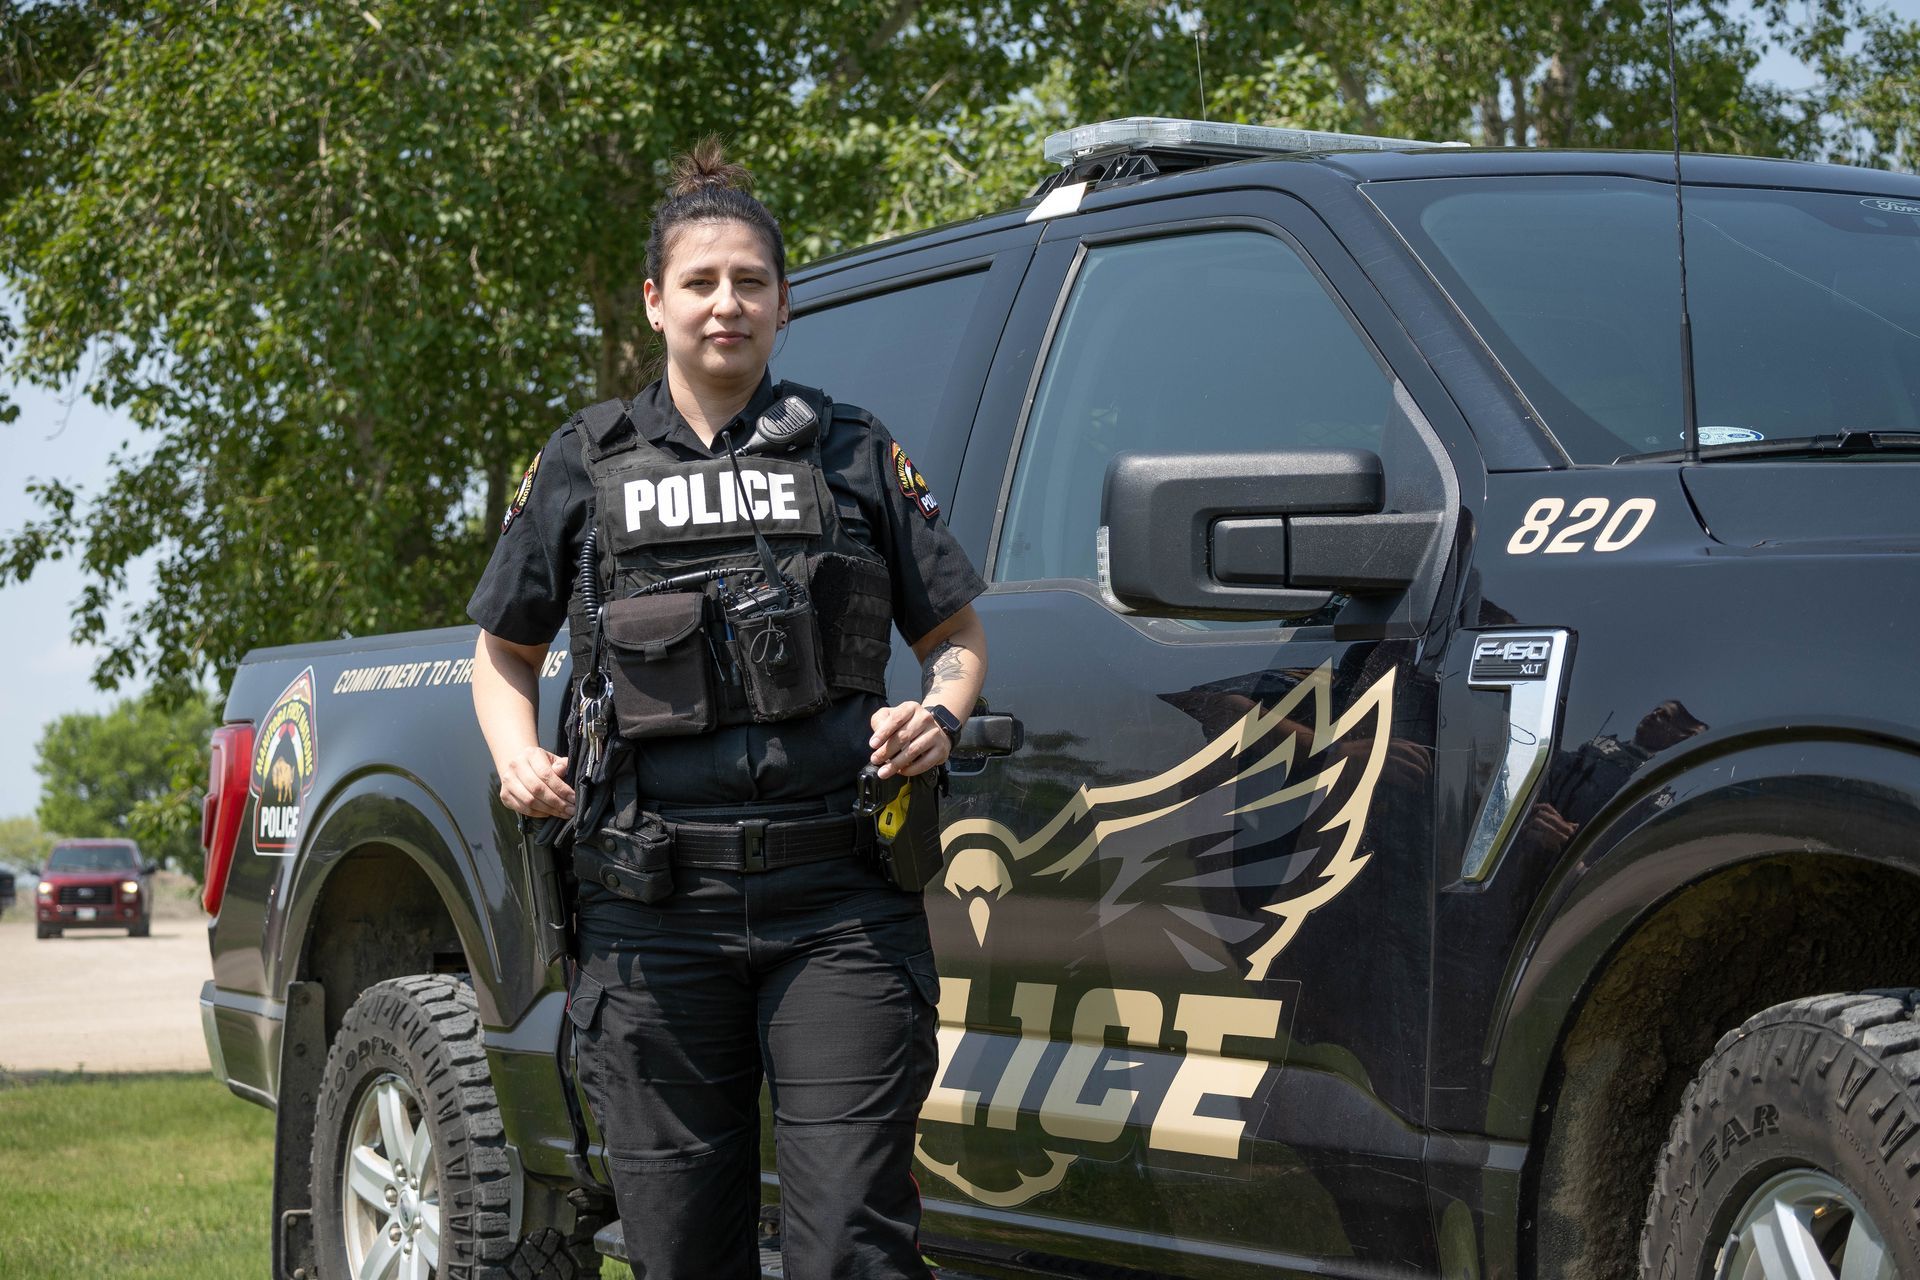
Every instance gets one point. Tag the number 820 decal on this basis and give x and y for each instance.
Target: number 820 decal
(1617, 530)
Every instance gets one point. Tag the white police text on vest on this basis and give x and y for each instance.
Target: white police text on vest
(683, 501)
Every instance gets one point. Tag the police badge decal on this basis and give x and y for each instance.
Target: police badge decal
(285, 756)
(913, 485)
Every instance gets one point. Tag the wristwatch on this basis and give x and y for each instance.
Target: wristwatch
(948, 722)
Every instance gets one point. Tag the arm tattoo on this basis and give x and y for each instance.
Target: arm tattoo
(943, 666)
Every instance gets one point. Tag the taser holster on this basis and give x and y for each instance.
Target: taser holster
(906, 823)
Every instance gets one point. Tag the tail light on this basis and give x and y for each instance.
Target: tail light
(220, 812)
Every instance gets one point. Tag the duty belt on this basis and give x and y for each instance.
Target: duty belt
(758, 844)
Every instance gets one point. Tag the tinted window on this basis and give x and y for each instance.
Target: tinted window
(108, 857)
(1196, 343)
(889, 353)
(1805, 305)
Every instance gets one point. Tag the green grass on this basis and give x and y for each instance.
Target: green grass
(133, 1176)
(137, 1177)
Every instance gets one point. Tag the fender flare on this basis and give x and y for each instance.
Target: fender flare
(1839, 794)
(387, 807)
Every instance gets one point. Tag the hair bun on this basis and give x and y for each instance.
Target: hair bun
(706, 166)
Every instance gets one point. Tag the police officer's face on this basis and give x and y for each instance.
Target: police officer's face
(719, 305)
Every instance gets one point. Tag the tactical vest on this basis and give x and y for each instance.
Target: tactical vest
(658, 516)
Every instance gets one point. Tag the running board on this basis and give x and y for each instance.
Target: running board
(611, 1241)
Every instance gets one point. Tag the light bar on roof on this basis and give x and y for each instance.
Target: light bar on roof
(1254, 139)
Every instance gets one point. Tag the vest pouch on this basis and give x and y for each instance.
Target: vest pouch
(657, 659)
(778, 654)
(854, 597)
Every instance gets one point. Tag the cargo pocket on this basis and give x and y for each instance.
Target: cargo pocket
(583, 1011)
(583, 1002)
(662, 679)
(925, 977)
(923, 1060)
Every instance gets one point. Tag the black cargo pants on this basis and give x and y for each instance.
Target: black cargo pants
(821, 977)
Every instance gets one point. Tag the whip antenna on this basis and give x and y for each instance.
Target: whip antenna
(1199, 68)
(1690, 414)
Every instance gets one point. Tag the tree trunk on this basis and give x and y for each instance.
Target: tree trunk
(1493, 122)
(620, 313)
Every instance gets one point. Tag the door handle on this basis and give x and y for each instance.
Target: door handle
(983, 737)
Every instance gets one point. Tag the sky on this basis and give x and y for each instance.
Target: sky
(63, 435)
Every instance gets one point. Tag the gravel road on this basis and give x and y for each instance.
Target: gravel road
(102, 1001)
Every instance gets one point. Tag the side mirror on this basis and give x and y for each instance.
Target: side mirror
(1256, 534)
(148, 868)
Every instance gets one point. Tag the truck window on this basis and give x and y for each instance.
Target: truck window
(889, 353)
(1805, 304)
(1197, 343)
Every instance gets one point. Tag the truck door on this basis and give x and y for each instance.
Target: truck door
(1183, 933)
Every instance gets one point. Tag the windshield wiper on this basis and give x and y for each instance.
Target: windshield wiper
(1815, 446)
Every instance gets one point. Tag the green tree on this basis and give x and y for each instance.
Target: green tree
(23, 843)
(347, 265)
(347, 269)
(131, 771)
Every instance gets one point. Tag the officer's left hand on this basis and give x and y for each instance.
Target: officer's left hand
(907, 740)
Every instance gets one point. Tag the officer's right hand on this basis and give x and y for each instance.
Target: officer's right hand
(533, 781)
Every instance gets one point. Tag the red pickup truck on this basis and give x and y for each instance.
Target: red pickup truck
(94, 884)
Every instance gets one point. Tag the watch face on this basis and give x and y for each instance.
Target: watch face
(945, 719)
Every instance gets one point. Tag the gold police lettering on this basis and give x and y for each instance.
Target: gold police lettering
(1125, 1066)
(680, 501)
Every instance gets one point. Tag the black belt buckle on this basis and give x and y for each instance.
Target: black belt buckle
(753, 844)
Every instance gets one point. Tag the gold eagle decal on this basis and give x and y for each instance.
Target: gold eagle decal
(1261, 763)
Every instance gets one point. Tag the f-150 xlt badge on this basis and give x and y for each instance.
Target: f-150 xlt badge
(1219, 860)
(285, 753)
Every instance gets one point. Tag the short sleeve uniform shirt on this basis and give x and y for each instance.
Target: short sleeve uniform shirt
(523, 596)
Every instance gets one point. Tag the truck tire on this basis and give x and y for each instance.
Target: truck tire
(1796, 1152)
(141, 928)
(407, 1073)
(46, 930)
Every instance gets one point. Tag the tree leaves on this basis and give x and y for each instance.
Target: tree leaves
(347, 266)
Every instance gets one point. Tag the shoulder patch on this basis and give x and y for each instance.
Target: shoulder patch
(913, 485)
(521, 494)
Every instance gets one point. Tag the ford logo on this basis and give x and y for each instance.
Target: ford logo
(1893, 206)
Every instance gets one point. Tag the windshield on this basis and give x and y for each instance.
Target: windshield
(1805, 304)
(92, 857)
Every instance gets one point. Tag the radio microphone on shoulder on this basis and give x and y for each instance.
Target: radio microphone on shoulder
(790, 424)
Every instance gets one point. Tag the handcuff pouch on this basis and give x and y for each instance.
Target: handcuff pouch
(636, 865)
(657, 660)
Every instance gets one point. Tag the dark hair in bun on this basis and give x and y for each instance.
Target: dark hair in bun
(704, 187)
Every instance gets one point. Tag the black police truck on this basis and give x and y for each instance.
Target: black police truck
(1466, 816)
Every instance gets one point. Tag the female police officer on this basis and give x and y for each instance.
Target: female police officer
(765, 938)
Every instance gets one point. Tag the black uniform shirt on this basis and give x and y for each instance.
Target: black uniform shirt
(523, 597)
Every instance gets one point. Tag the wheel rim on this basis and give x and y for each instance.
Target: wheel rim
(390, 1186)
(1804, 1225)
